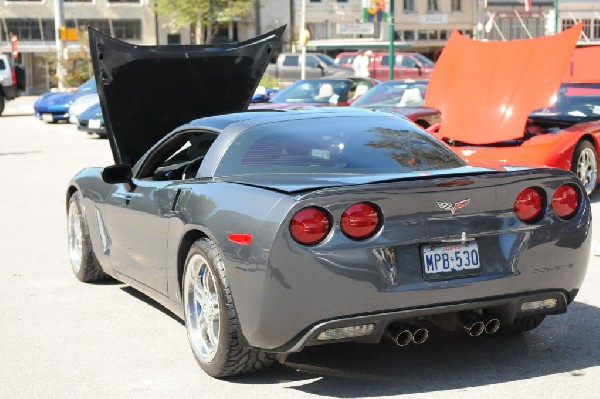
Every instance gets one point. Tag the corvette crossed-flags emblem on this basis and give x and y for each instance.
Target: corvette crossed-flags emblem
(455, 206)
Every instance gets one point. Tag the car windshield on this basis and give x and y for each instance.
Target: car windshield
(314, 91)
(351, 145)
(575, 103)
(326, 59)
(394, 94)
(88, 87)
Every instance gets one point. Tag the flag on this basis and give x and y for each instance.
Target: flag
(527, 5)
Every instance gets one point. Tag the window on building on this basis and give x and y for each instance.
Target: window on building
(102, 25)
(456, 5)
(127, 29)
(315, 1)
(174, 38)
(567, 23)
(443, 35)
(342, 1)
(432, 5)
(29, 29)
(596, 34)
(409, 35)
(32, 1)
(422, 35)
(77, 1)
(409, 5)
(123, 1)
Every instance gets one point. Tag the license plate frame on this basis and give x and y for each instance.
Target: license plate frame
(460, 259)
(94, 123)
(47, 117)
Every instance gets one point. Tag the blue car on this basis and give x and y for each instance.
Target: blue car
(92, 121)
(53, 107)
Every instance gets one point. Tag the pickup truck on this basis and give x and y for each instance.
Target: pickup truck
(287, 67)
(406, 65)
(9, 87)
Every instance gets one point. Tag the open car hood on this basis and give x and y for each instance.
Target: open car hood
(486, 90)
(147, 91)
(584, 65)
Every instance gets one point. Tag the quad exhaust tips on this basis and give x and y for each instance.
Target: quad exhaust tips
(402, 335)
(477, 327)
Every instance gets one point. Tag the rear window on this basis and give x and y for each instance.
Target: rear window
(290, 60)
(2, 65)
(365, 145)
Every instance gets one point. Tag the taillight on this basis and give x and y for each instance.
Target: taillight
(14, 76)
(528, 205)
(310, 226)
(361, 221)
(565, 201)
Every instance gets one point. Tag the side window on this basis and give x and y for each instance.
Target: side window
(179, 158)
(312, 62)
(290, 60)
(408, 62)
(2, 65)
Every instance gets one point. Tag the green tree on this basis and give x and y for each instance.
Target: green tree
(202, 14)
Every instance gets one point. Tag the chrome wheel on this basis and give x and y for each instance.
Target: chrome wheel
(75, 232)
(202, 316)
(587, 168)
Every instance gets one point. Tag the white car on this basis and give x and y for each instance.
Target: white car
(81, 104)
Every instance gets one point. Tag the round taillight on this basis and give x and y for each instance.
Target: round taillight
(528, 205)
(565, 201)
(360, 221)
(310, 226)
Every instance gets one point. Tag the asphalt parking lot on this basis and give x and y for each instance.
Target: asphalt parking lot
(60, 338)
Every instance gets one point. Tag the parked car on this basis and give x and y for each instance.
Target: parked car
(318, 93)
(403, 97)
(263, 94)
(502, 129)
(54, 106)
(271, 231)
(12, 80)
(92, 121)
(81, 104)
(287, 67)
(406, 65)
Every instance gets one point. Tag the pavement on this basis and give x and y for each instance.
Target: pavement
(60, 338)
(20, 106)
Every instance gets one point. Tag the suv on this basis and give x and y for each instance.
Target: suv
(10, 85)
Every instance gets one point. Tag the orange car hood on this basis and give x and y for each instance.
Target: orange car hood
(584, 65)
(486, 90)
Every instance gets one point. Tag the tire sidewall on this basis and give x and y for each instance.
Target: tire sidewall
(86, 250)
(217, 364)
(575, 161)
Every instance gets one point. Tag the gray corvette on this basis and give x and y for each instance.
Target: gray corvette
(269, 231)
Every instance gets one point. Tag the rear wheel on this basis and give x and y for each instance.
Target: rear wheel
(84, 264)
(211, 319)
(585, 165)
(2, 102)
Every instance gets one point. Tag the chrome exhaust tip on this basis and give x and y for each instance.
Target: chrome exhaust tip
(420, 336)
(401, 336)
(475, 329)
(492, 326)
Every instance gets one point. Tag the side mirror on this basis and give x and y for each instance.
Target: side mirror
(115, 174)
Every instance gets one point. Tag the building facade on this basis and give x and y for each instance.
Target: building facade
(572, 12)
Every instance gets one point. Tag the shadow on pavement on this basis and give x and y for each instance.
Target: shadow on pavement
(447, 361)
(144, 298)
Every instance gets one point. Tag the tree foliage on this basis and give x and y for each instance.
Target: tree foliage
(207, 13)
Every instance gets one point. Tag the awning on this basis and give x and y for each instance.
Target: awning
(353, 44)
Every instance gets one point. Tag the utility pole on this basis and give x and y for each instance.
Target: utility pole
(303, 40)
(58, 22)
(555, 16)
(392, 56)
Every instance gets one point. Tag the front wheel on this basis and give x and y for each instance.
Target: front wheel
(211, 319)
(585, 165)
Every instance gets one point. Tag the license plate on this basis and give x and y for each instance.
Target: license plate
(450, 257)
(94, 124)
(47, 117)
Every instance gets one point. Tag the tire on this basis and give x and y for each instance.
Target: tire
(2, 102)
(214, 334)
(83, 262)
(585, 165)
(522, 324)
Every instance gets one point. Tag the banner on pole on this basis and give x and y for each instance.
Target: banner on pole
(375, 10)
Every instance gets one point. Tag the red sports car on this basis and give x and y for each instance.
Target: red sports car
(505, 112)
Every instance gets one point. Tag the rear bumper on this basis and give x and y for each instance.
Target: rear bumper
(505, 308)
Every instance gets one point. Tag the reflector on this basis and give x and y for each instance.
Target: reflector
(346, 332)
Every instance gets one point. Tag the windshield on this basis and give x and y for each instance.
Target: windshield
(326, 59)
(88, 87)
(314, 91)
(350, 145)
(575, 103)
(395, 94)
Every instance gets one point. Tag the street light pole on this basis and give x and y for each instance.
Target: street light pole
(392, 57)
(303, 40)
(58, 22)
(555, 16)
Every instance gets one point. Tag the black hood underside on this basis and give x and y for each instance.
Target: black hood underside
(147, 91)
